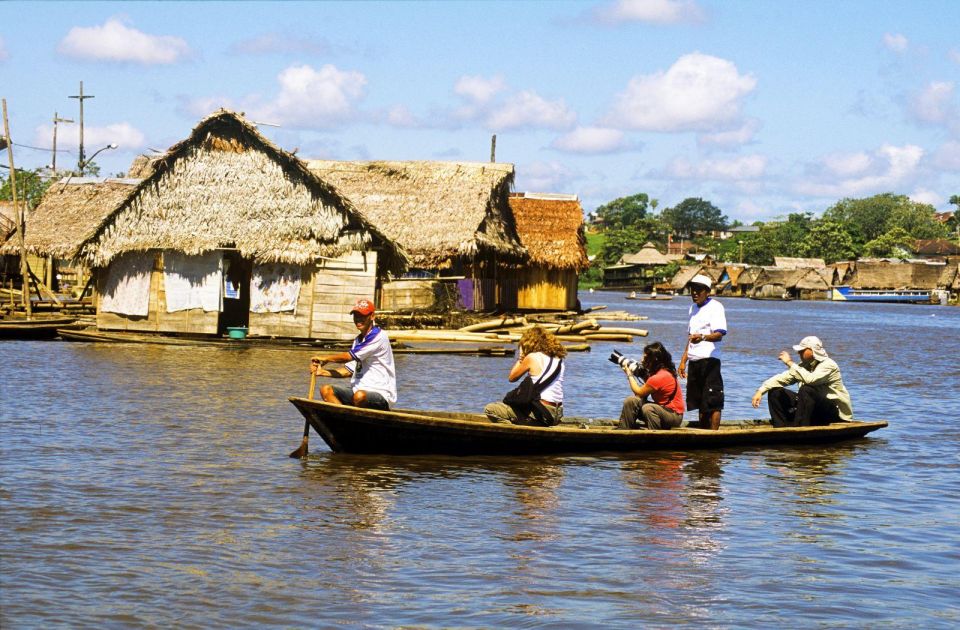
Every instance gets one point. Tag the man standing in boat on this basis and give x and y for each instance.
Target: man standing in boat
(369, 365)
(708, 325)
(822, 397)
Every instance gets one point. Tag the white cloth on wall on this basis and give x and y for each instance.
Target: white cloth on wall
(274, 288)
(126, 290)
(193, 281)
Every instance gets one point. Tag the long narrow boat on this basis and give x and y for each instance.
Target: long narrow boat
(403, 431)
(908, 296)
(38, 328)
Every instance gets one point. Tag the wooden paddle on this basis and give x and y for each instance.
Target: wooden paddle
(301, 451)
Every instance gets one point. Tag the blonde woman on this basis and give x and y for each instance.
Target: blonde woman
(540, 402)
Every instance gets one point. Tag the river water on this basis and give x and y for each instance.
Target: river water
(150, 486)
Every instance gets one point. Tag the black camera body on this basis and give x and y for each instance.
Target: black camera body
(628, 363)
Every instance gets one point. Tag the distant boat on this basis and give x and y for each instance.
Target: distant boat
(46, 328)
(652, 296)
(908, 296)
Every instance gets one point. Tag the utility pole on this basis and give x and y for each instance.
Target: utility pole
(24, 272)
(56, 120)
(81, 97)
(493, 148)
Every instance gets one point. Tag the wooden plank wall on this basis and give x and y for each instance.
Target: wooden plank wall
(338, 283)
(289, 324)
(407, 294)
(547, 289)
(194, 321)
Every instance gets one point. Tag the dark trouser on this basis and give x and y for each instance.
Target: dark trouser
(802, 409)
(344, 394)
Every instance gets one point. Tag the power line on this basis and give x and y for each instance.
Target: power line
(27, 146)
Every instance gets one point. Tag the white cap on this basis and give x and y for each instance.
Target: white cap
(812, 343)
(701, 279)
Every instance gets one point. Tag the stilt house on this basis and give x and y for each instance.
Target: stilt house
(453, 219)
(550, 227)
(224, 230)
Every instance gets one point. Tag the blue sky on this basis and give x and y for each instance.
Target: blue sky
(763, 108)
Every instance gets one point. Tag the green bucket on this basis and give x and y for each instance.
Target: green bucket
(237, 332)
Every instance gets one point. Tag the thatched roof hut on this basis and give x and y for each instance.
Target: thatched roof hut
(648, 256)
(785, 262)
(226, 185)
(71, 212)
(683, 276)
(8, 219)
(436, 211)
(550, 227)
(885, 275)
(776, 281)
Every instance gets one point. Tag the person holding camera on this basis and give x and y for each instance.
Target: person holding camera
(705, 332)
(656, 403)
(540, 403)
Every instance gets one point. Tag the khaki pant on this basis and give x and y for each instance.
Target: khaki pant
(650, 415)
(502, 413)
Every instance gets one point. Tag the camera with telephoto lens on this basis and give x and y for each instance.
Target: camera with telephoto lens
(628, 363)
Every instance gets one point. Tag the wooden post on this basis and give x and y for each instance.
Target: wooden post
(25, 294)
(493, 148)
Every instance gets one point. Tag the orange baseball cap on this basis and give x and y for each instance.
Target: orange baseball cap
(363, 306)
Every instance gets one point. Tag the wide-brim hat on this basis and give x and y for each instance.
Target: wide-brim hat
(814, 344)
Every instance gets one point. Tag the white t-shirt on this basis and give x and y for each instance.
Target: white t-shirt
(372, 367)
(706, 319)
(554, 391)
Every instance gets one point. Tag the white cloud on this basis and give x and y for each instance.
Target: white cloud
(205, 105)
(747, 167)
(529, 109)
(114, 41)
(697, 93)
(401, 116)
(650, 11)
(947, 157)
(124, 135)
(545, 177)
(313, 98)
(591, 140)
(847, 164)
(479, 90)
(890, 167)
(922, 195)
(896, 42)
(278, 43)
(935, 104)
(734, 137)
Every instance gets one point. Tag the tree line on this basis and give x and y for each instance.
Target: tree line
(878, 226)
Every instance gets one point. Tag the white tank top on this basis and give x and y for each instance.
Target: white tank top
(554, 391)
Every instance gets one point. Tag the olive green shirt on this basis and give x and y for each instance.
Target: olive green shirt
(824, 376)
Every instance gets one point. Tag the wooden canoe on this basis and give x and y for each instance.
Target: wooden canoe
(35, 328)
(404, 431)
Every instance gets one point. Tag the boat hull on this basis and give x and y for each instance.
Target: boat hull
(848, 294)
(354, 430)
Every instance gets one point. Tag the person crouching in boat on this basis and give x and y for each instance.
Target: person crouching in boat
(369, 365)
(538, 402)
(664, 408)
(822, 397)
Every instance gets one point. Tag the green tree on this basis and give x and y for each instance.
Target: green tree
(694, 215)
(828, 240)
(867, 219)
(624, 211)
(897, 242)
(784, 238)
(30, 187)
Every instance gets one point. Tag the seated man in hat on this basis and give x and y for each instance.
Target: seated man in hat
(369, 365)
(822, 397)
(705, 332)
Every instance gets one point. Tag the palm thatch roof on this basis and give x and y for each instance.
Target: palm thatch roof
(551, 228)
(648, 256)
(683, 276)
(748, 276)
(785, 262)
(884, 275)
(225, 186)
(935, 247)
(71, 212)
(8, 219)
(436, 211)
(799, 279)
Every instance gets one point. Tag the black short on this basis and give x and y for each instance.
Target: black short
(704, 385)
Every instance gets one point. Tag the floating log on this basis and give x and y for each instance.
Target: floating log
(503, 322)
(589, 324)
(623, 331)
(600, 336)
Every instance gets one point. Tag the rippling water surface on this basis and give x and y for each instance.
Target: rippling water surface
(150, 486)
